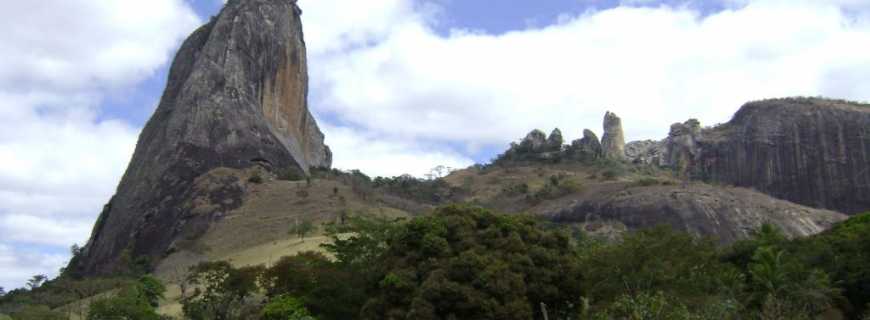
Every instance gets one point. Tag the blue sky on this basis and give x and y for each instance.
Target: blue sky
(398, 86)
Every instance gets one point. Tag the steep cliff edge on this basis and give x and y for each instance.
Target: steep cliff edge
(814, 152)
(236, 97)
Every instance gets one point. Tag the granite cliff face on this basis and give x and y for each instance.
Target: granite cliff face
(236, 97)
(814, 152)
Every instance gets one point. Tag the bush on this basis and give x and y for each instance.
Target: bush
(40, 312)
(516, 189)
(220, 290)
(556, 187)
(256, 178)
(136, 302)
(328, 289)
(610, 174)
(648, 181)
(291, 174)
(285, 307)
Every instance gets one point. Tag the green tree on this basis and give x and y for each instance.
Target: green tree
(138, 301)
(660, 259)
(328, 290)
(285, 307)
(151, 289)
(469, 263)
(36, 281)
(220, 290)
(783, 287)
(129, 304)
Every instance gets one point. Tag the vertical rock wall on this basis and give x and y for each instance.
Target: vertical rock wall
(810, 151)
(236, 97)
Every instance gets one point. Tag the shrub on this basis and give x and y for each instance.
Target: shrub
(256, 178)
(220, 290)
(40, 312)
(291, 174)
(610, 174)
(648, 181)
(516, 189)
(135, 302)
(285, 307)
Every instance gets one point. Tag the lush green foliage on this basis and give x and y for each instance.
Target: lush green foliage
(220, 290)
(465, 262)
(58, 292)
(285, 307)
(40, 312)
(138, 301)
(469, 263)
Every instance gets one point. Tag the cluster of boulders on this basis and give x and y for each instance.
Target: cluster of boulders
(679, 150)
(537, 146)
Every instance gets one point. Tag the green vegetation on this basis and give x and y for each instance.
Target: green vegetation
(302, 228)
(220, 291)
(463, 262)
(291, 174)
(256, 178)
(138, 301)
(556, 187)
(285, 308)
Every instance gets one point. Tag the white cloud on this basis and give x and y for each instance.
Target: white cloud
(652, 65)
(385, 156)
(19, 265)
(60, 157)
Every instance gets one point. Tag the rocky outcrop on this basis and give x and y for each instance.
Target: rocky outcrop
(725, 214)
(534, 142)
(555, 141)
(536, 146)
(586, 148)
(236, 97)
(810, 151)
(646, 152)
(613, 141)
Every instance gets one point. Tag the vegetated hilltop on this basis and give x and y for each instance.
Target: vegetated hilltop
(236, 97)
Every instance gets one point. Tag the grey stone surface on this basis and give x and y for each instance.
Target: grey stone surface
(555, 141)
(810, 151)
(613, 140)
(726, 214)
(648, 152)
(586, 148)
(236, 97)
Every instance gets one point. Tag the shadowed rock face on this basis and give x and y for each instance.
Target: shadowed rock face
(236, 97)
(810, 151)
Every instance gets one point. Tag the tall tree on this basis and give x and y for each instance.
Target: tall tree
(36, 281)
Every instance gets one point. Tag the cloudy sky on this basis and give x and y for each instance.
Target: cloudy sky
(398, 86)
